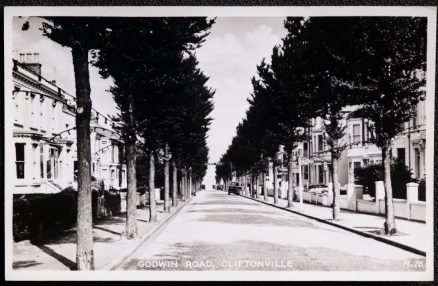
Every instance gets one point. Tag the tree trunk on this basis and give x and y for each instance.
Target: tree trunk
(152, 202)
(290, 189)
(252, 185)
(389, 224)
(180, 181)
(266, 184)
(84, 249)
(275, 184)
(166, 181)
(257, 185)
(336, 206)
(120, 166)
(174, 186)
(245, 193)
(183, 187)
(190, 185)
(131, 228)
(265, 189)
(187, 187)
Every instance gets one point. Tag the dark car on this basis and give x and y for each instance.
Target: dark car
(234, 189)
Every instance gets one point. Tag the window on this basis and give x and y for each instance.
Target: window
(356, 165)
(306, 149)
(22, 58)
(320, 143)
(19, 160)
(113, 151)
(320, 174)
(417, 162)
(113, 174)
(306, 172)
(401, 155)
(120, 154)
(356, 133)
(49, 164)
(94, 167)
(42, 161)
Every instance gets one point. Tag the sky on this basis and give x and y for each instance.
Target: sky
(229, 57)
(57, 64)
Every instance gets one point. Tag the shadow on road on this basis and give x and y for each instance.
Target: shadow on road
(231, 210)
(64, 260)
(224, 202)
(259, 219)
(24, 264)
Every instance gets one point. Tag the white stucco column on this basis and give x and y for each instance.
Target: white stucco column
(380, 194)
(412, 192)
(380, 191)
(354, 193)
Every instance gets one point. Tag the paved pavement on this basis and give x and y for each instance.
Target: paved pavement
(216, 231)
(409, 233)
(109, 246)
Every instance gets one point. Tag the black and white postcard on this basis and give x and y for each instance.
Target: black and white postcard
(219, 143)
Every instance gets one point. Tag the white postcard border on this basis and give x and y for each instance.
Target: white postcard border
(210, 11)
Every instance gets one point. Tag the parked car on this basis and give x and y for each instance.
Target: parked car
(234, 189)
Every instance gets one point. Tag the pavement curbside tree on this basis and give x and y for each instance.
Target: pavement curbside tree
(392, 60)
(81, 34)
(316, 53)
(139, 56)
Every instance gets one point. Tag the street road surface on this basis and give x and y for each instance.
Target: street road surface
(217, 231)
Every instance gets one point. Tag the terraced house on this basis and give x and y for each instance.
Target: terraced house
(44, 135)
(312, 168)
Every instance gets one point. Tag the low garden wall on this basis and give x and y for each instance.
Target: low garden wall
(410, 208)
(40, 216)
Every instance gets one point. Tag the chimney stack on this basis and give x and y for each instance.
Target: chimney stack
(31, 61)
